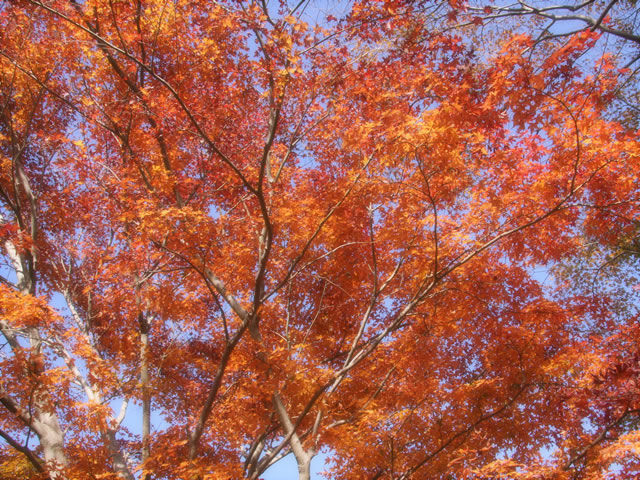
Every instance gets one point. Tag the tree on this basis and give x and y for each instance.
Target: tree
(14, 465)
(274, 231)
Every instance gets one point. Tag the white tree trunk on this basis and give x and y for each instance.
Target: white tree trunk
(303, 457)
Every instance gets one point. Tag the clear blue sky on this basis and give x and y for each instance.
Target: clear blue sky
(286, 469)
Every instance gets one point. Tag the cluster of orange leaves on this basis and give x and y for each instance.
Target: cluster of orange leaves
(369, 193)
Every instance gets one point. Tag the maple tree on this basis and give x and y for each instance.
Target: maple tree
(235, 231)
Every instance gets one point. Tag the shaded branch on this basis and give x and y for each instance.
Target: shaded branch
(30, 456)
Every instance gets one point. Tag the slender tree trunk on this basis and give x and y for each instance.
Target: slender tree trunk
(146, 395)
(303, 457)
(146, 392)
(44, 420)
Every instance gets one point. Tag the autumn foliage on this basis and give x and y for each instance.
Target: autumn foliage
(233, 231)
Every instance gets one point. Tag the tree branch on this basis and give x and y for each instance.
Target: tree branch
(31, 457)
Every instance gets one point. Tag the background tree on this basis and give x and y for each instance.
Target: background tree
(276, 229)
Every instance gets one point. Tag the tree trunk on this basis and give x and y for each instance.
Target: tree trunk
(51, 438)
(303, 457)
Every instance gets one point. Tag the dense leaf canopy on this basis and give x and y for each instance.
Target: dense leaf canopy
(238, 230)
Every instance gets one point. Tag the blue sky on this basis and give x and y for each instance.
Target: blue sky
(287, 469)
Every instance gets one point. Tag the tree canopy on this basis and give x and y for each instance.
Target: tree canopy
(238, 230)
